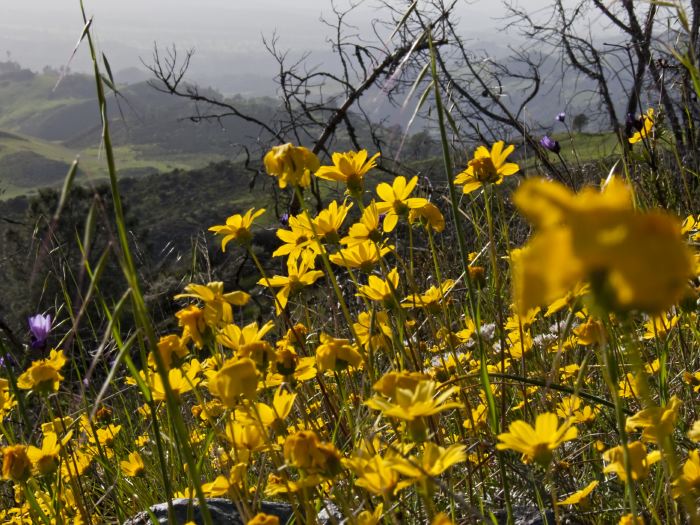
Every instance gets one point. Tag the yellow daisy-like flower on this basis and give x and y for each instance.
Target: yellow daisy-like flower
(580, 497)
(217, 304)
(299, 275)
(396, 201)
(16, 464)
(380, 290)
(689, 480)
(134, 466)
(237, 378)
(434, 461)
(366, 229)
(647, 124)
(487, 167)
(336, 354)
(363, 256)
(349, 168)
(537, 444)
(291, 165)
(43, 375)
(639, 460)
(237, 228)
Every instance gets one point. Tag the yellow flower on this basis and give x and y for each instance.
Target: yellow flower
(349, 168)
(633, 260)
(191, 319)
(329, 221)
(537, 444)
(434, 461)
(273, 416)
(639, 460)
(380, 290)
(646, 127)
(659, 326)
(217, 304)
(629, 519)
(655, 421)
(375, 475)
(487, 167)
(431, 299)
(689, 481)
(298, 276)
(429, 215)
(336, 354)
(373, 330)
(133, 467)
(367, 229)
(572, 407)
(298, 240)
(237, 228)
(246, 341)
(694, 432)
(263, 519)
(16, 464)
(442, 519)
(367, 517)
(44, 375)
(580, 497)
(305, 451)
(396, 201)
(238, 377)
(413, 405)
(7, 400)
(364, 255)
(291, 165)
(180, 383)
(168, 346)
(45, 459)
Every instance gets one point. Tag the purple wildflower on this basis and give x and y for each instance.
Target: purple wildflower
(284, 219)
(561, 117)
(550, 144)
(39, 326)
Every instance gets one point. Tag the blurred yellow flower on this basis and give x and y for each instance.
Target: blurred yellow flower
(580, 497)
(655, 421)
(633, 260)
(237, 378)
(305, 451)
(688, 483)
(432, 462)
(639, 460)
(349, 168)
(263, 519)
(537, 444)
(291, 165)
(133, 466)
(487, 167)
(16, 464)
(336, 354)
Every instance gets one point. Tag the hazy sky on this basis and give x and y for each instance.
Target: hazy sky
(226, 34)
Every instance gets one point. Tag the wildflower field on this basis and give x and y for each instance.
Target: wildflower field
(507, 341)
